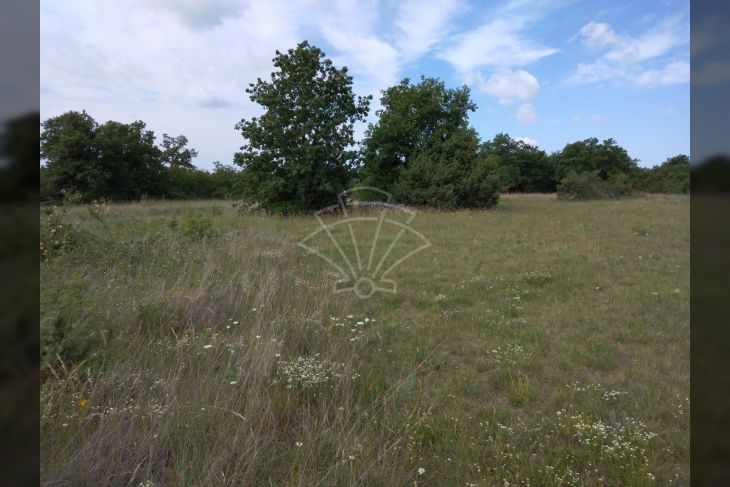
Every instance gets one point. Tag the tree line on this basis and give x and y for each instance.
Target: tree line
(301, 152)
(86, 161)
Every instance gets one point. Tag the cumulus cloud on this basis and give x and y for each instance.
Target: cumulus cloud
(506, 85)
(526, 114)
(656, 57)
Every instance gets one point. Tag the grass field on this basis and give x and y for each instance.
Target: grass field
(540, 343)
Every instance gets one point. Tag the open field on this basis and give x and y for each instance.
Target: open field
(540, 343)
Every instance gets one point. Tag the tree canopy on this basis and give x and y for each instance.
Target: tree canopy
(410, 115)
(119, 161)
(607, 157)
(522, 167)
(176, 153)
(298, 154)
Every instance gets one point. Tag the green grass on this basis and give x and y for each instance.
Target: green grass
(539, 343)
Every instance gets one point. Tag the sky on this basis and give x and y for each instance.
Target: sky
(549, 72)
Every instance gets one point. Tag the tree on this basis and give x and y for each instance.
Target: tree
(449, 172)
(522, 167)
(672, 176)
(296, 156)
(67, 146)
(112, 161)
(129, 159)
(607, 157)
(411, 114)
(175, 153)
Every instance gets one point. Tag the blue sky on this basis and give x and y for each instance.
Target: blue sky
(550, 72)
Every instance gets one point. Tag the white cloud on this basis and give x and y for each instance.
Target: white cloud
(656, 57)
(421, 25)
(527, 140)
(498, 43)
(598, 34)
(673, 73)
(526, 114)
(575, 119)
(506, 85)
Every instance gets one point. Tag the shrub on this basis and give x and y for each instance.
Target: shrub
(449, 174)
(197, 227)
(57, 236)
(589, 185)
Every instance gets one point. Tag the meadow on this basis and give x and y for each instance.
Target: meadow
(539, 343)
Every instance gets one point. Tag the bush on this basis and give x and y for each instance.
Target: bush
(197, 227)
(672, 176)
(589, 185)
(56, 235)
(450, 174)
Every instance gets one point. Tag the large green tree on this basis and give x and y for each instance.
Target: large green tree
(297, 155)
(113, 161)
(410, 115)
(67, 146)
(607, 158)
(129, 159)
(522, 167)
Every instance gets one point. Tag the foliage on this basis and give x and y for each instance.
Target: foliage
(115, 160)
(522, 167)
(67, 145)
(85, 162)
(589, 185)
(197, 227)
(296, 156)
(672, 176)
(410, 115)
(57, 236)
(607, 158)
(449, 172)
(175, 152)
(129, 161)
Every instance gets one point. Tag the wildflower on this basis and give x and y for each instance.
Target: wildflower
(233, 382)
(235, 322)
(298, 444)
(208, 346)
(83, 403)
(421, 470)
(258, 336)
(351, 457)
